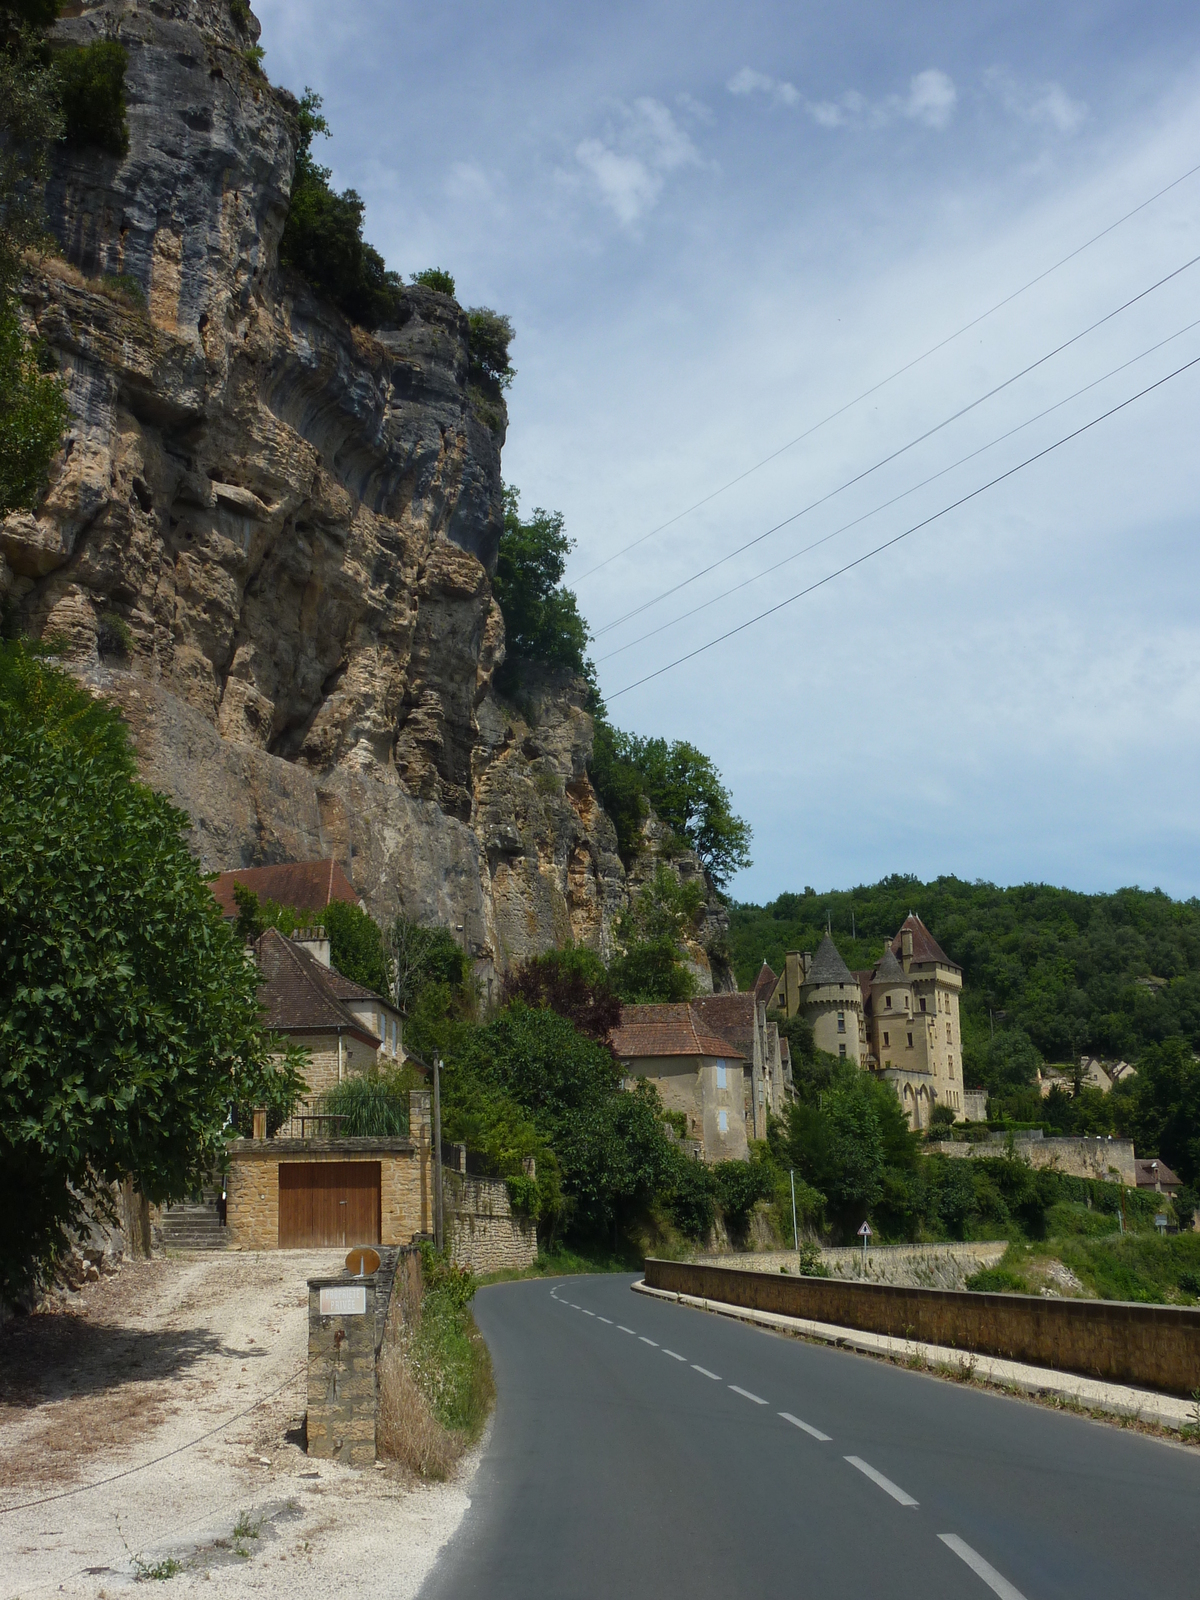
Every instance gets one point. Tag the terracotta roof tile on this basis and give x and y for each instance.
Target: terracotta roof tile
(733, 1015)
(669, 1030)
(764, 984)
(925, 946)
(299, 993)
(304, 885)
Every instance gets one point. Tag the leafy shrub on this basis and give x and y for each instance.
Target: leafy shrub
(239, 10)
(740, 1185)
(435, 278)
(690, 1199)
(997, 1280)
(571, 982)
(254, 55)
(92, 79)
(489, 335)
(356, 946)
(124, 287)
(33, 414)
(114, 637)
(811, 1264)
(1066, 1218)
(322, 238)
(541, 618)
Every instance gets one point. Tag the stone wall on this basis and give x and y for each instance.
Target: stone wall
(482, 1230)
(340, 1423)
(923, 1266)
(1156, 1347)
(252, 1187)
(1108, 1160)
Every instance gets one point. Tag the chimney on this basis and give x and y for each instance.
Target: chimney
(906, 948)
(793, 977)
(314, 941)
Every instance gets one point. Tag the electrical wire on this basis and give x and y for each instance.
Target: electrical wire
(896, 539)
(903, 495)
(899, 372)
(85, 1488)
(895, 454)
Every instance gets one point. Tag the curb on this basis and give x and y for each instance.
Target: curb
(1118, 1400)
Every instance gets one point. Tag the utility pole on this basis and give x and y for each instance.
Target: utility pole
(438, 1221)
(795, 1229)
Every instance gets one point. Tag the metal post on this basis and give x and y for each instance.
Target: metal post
(438, 1223)
(795, 1230)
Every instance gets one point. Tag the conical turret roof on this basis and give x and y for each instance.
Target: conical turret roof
(828, 966)
(889, 974)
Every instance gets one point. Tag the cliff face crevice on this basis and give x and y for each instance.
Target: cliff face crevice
(294, 519)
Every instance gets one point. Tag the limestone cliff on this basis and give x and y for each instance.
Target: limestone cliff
(295, 521)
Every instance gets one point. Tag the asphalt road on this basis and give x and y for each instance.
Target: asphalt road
(648, 1449)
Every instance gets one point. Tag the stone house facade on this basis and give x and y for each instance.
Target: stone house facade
(695, 1069)
(742, 1019)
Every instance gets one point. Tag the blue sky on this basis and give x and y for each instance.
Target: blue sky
(714, 225)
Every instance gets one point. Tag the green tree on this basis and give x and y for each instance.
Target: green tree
(619, 785)
(572, 982)
(129, 1017)
(435, 278)
(92, 89)
(650, 936)
(541, 618)
(429, 970)
(1160, 1108)
(322, 238)
(685, 790)
(356, 946)
(489, 335)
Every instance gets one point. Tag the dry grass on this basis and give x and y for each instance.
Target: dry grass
(407, 1430)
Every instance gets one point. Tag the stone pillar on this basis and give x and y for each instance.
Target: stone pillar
(420, 1131)
(341, 1369)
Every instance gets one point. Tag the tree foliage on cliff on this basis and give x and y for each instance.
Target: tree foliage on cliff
(652, 935)
(92, 88)
(323, 236)
(572, 982)
(129, 1017)
(33, 411)
(542, 622)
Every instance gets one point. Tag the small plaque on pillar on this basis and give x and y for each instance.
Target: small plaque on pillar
(348, 1302)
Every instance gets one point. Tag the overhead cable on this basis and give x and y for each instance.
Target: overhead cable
(895, 454)
(898, 373)
(896, 539)
(776, 566)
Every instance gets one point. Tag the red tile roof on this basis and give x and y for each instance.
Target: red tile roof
(304, 885)
(925, 946)
(300, 994)
(1153, 1174)
(735, 1016)
(764, 984)
(669, 1030)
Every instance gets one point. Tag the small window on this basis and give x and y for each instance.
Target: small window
(723, 1121)
(842, 1051)
(721, 1079)
(910, 1041)
(923, 1003)
(841, 1022)
(947, 1033)
(951, 1066)
(887, 1038)
(887, 1000)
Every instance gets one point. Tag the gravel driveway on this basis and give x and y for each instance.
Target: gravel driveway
(150, 1362)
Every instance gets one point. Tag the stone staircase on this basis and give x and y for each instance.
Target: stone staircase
(193, 1226)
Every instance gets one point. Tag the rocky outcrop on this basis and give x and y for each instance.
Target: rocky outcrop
(292, 522)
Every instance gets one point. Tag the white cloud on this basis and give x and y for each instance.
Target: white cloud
(931, 98)
(1046, 105)
(748, 81)
(631, 165)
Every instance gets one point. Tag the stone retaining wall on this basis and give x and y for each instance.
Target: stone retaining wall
(1108, 1160)
(482, 1230)
(1156, 1347)
(921, 1266)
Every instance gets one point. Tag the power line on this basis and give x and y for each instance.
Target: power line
(84, 1488)
(899, 373)
(683, 616)
(895, 454)
(916, 527)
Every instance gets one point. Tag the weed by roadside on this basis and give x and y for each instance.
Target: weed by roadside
(560, 1262)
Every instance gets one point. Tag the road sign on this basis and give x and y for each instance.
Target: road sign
(362, 1261)
(865, 1231)
(343, 1302)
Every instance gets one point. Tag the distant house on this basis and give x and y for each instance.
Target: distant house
(696, 1070)
(303, 885)
(1156, 1175)
(345, 1028)
(742, 1019)
(1094, 1074)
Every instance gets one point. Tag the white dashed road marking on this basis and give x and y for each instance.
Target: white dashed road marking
(806, 1426)
(705, 1373)
(983, 1569)
(886, 1484)
(621, 1328)
(758, 1400)
(672, 1354)
(644, 1340)
(586, 1312)
(599, 1318)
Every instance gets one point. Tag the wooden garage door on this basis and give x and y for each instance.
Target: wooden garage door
(328, 1202)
